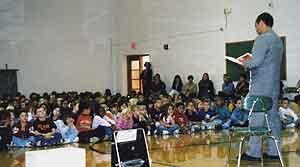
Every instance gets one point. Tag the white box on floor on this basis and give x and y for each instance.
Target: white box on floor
(60, 157)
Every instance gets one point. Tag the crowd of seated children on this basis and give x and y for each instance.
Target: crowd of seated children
(55, 118)
(288, 117)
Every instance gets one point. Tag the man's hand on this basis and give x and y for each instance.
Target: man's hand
(245, 58)
(243, 61)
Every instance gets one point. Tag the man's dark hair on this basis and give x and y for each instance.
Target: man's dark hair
(266, 18)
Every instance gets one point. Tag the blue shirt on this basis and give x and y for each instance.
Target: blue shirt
(239, 115)
(223, 113)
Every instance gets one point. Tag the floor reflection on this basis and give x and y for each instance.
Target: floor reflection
(207, 148)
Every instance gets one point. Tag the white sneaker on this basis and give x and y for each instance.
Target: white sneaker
(292, 125)
(164, 132)
(94, 139)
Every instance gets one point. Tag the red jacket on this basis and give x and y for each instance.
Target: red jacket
(180, 119)
(84, 123)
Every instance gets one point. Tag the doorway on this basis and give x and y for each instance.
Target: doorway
(135, 66)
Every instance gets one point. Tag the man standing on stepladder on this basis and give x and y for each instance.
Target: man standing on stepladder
(264, 65)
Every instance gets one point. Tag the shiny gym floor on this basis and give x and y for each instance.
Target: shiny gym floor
(205, 149)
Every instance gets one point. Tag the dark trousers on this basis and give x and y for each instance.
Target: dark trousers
(84, 137)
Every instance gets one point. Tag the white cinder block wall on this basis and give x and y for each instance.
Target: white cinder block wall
(57, 44)
(191, 30)
(66, 44)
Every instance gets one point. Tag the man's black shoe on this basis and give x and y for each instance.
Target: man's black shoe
(270, 157)
(246, 157)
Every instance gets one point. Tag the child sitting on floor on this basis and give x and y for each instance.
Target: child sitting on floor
(206, 115)
(155, 113)
(84, 125)
(288, 117)
(191, 112)
(141, 118)
(180, 117)
(125, 121)
(222, 114)
(69, 132)
(193, 116)
(167, 122)
(101, 119)
(239, 116)
(45, 129)
(22, 132)
(65, 125)
(115, 110)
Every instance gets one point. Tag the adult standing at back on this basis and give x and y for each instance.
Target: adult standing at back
(206, 87)
(264, 66)
(146, 77)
